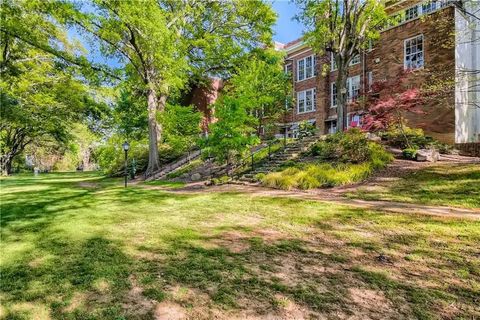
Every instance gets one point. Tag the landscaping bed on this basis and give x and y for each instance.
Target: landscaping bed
(340, 159)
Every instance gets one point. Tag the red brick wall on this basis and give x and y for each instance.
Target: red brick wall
(439, 55)
(385, 61)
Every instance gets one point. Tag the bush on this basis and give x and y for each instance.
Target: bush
(318, 175)
(221, 180)
(354, 159)
(111, 156)
(409, 153)
(416, 138)
(350, 146)
(259, 176)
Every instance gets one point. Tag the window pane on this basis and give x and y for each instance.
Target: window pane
(301, 69)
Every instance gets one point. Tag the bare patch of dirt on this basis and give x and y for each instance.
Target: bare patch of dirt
(234, 241)
(167, 310)
(135, 303)
(371, 304)
(79, 299)
(91, 185)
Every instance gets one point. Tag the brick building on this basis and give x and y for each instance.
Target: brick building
(430, 39)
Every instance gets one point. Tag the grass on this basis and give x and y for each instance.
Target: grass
(447, 185)
(80, 246)
(166, 184)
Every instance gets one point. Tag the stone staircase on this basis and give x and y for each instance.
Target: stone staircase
(166, 169)
(291, 152)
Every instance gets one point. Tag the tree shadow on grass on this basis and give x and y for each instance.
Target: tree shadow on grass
(95, 271)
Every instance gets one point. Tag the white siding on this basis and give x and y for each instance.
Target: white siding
(467, 58)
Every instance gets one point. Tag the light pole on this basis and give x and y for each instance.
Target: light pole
(125, 147)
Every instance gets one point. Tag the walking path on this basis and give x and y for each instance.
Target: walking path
(337, 195)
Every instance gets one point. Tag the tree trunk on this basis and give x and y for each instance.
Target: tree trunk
(341, 83)
(6, 164)
(153, 132)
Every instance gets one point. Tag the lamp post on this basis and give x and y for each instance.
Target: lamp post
(125, 147)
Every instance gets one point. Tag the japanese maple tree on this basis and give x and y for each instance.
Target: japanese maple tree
(388, 101)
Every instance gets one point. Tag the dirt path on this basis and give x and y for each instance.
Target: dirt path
(393, 172)
(328, 196)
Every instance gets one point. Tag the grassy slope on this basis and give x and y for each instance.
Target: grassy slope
(448, 185)
(78, 246)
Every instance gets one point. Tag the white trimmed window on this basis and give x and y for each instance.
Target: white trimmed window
(332, 126)
(353, 88)
(306, 68)
(354, 120)
(306, 101)
(333, 63)
(411, 13)
(300, 70)
(333, 95)
(414, 58)
(429, 7)
(355, 60)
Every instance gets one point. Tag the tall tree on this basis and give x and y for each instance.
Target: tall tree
(342, 28)
(262, 87)
(40, 100)
(164, 42)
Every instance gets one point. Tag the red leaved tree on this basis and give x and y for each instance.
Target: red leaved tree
(387, 103)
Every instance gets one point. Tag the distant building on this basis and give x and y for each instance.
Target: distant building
(202, 97)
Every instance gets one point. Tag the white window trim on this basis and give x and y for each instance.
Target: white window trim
(333, 65)
(314, 101)
(353, 64)
(332, 105)
(350, 87)
(405, 52)
(440, 4)
(314, 69)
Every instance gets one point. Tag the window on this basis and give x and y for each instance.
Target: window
(414, 53)
(306, 101)
(355, 60)
(301, 70)
(333, 96)
(353, 88)
(332, 126)
(369, 80)
(306, 68)
(411, 13)
(354, 120)
(333, 63)
(429, 7)
(288, 68)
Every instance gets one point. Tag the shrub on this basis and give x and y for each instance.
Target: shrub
(416, 138)
(306, 181)
(350, 146)
(259, 176)
(409, 153)
(318, 175)
(356, 159)
(221, 180)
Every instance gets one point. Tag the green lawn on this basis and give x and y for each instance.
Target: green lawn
(79, 246)
(447, 185)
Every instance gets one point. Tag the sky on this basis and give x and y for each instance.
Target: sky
(286, 29)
